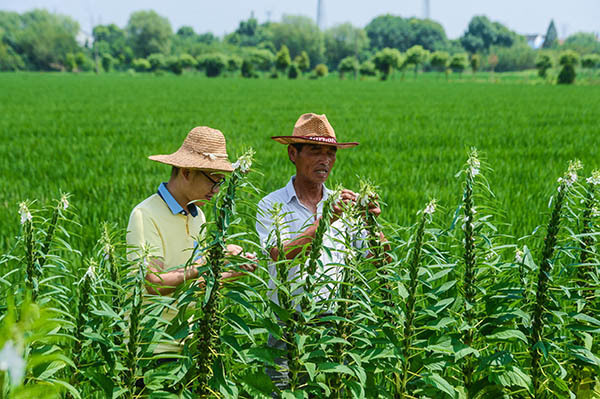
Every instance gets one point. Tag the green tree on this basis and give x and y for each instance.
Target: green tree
(590, 61)
(568, 59)
(416, 55)
(187, 61)
(84, 62)
(475, 62)
(148, 33)
(112, 40)
(44, 39)
(428, 34)
(321, 70)
(482, 33)
(367, 68)
(248, 69)
(386, 61)
(299, 33)
(262, 59)
(303, 61)
(389, 31)
(348, 65)
(551, 39)
(293, 71)
(107, 62)
(141, 65)
(213, 64)
(459, 62)
(234, 63)
(343, 41)
(583, 43)
(543, 62)
(250, 34)
(157, 61)
(282, 59)
(439, 61)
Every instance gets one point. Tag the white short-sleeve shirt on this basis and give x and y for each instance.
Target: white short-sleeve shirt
(296, 219)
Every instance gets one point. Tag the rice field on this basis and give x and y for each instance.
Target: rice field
(91, 135)
(464, 304)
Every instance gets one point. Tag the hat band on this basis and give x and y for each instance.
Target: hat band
(211, 155)
(330, 140)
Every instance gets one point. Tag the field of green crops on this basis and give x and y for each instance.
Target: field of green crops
(90, 136)
(470, 300)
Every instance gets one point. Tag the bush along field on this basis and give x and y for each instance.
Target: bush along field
(445, 308)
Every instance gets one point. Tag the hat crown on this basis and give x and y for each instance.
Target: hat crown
(313, 125)
(205, 140)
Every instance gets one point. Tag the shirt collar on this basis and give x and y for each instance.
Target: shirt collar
(290, 191)
(173, 205)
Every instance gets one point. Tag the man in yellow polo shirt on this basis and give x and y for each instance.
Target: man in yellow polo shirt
(169, 222)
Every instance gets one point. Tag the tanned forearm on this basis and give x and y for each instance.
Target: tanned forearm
(298, 244)
(160, 283)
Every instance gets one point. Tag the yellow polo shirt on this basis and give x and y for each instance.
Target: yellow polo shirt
(168, 231)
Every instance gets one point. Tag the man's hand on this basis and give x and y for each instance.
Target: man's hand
(236, 250)
(233, 250)
(374, 208)
(346, 196)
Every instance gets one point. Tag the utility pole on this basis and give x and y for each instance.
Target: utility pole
(426, 9)
(320, 14)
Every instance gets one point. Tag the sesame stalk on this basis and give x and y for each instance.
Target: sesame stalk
(207, 329)
(61, 206)
(133, 346)
(317, 245)
(584, 270)
(543, 277)
(409, 311)
(31, 271)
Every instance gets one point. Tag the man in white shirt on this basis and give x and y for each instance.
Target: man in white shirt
(312, 148)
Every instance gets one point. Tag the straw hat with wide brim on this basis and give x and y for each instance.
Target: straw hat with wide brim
(313, 129)
(203, 148)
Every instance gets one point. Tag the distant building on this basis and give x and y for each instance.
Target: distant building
(535, 41)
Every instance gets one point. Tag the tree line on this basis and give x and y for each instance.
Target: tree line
(43, 41)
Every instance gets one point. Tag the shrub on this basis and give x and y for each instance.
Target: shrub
(387, 60)
(321, 70)
(107, 62)
(590, 61)
(157, 61)
(84, 63)
(282, 59)
(173, 63)
(367, 68)
(348, 65)
(543, 63)
(569, 60)
(141, 65)
(234, 63)
(303, 61)
(458, 62)
(439, 60)
(213, 64)
(187, 61)
(293, 71)
(248, 70)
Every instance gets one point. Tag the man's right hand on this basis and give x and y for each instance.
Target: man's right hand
(346, 196)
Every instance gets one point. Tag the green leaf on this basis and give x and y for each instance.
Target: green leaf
(258, 383)
(436, 381)
(505, 334)
(330, 367)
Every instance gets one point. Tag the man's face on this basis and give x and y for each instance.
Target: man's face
(314, 162)
(201, 185)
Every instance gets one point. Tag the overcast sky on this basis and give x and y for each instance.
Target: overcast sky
(223, 16)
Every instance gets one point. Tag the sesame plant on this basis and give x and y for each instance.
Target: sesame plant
(450, 307)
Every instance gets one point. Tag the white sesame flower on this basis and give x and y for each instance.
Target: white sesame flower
(474, 163)
(595, 212)
(24, 212)
(489, 256)
(244, 162)
(12, 361)
(594, 179)
(91, 271)
(571, 176)
(64, 202)
(430, 208)
(519, 255)
(366, 193)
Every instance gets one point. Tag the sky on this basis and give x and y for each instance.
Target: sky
(223, 16)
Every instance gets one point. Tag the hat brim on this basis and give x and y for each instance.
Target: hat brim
(193, 161)
(298, 140)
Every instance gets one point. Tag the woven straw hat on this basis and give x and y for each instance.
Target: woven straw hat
(203, 148)
(313, 129)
